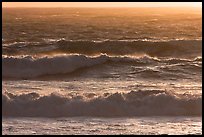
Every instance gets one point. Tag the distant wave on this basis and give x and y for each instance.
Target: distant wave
(179, 48)
(134, 103)
(30, 67)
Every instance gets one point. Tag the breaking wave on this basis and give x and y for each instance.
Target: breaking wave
(179, 48)
(28, 66)
(31, 67)
(134, 103)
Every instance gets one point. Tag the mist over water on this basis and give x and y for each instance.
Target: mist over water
(37, 25)
(101, 62)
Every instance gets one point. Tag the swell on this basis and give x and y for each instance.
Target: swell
(28, 66)
(179, 48)
(134, 103)
(25, 67)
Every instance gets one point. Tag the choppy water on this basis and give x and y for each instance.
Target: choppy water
(103, 126)
(68, 62)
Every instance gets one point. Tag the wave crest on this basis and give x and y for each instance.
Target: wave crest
(30, 67)
(179, 48)
(134, 103)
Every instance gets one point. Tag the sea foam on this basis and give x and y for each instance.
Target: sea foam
(134, 103)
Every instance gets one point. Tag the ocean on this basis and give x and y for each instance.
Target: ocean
(102, 70)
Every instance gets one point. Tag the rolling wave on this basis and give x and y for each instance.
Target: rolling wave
(134, 103)
(28, 67)
(31, 67)
(179, 48)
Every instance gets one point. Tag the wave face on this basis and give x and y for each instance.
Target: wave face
(134, 103)
(30, 67)
(179, 48)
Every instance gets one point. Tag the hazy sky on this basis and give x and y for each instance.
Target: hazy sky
(101, 4)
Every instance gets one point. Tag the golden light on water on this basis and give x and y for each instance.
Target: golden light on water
(101, 4)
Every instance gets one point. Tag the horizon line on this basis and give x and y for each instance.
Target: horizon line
(115, 7)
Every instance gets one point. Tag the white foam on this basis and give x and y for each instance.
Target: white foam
(134, 103)
(30, 67)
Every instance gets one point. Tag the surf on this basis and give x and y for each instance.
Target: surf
(133, 103)
(172, 48)
(25, 67)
